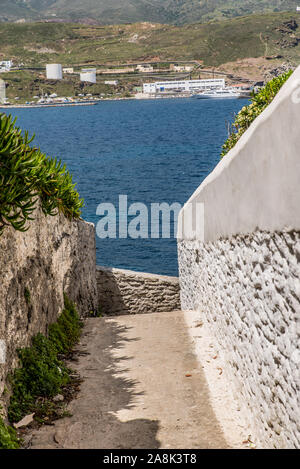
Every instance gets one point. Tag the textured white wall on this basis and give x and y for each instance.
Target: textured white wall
(248, 290)
(243, 276)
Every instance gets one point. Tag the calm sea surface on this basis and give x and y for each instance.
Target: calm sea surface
(152, 150)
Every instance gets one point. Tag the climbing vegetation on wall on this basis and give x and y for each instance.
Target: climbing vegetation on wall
(259, 102)
(41, 375)
(28, 176)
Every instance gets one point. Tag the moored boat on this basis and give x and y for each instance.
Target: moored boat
(221, 93)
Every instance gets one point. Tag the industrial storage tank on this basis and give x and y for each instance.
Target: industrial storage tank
(89, 75)
(54, 71)
(2, 91)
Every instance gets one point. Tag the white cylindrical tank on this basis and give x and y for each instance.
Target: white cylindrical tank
(89, 75)
(2, 91)
(54, 71)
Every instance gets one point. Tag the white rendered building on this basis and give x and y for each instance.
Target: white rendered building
(183, 85)
(88, 75)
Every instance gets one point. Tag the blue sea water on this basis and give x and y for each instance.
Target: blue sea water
(151, 150)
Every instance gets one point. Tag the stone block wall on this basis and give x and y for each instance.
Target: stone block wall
(128, 292)
(248, 291)
(36, 267)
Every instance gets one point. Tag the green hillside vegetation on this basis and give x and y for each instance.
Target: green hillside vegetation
(14, 9)
(124, 11)
(213, 43)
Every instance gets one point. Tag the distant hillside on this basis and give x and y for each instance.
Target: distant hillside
(254, 36)
(124, 11)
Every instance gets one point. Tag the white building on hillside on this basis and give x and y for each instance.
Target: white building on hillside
(145, 68)
(68, 70)
(111, 82)
(5, 65)
(189, 86)
(88, 75)
(181, 68)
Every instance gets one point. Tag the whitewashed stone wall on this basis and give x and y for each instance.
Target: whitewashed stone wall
(242, 274)
(248, 290)
(36, 267)
(128, 292)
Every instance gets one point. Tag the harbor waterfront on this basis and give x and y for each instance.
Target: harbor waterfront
(36, 105)
(153, 151)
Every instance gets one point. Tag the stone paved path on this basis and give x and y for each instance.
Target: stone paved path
(136, 392)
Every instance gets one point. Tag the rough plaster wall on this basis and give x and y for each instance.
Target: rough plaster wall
(248, 289)
(128, 292)
(54, 256)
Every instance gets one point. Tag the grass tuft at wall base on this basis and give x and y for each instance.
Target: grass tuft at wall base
(8, 437)
(42, 373)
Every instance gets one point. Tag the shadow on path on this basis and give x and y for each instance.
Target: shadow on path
(142, 388)
(104, 392)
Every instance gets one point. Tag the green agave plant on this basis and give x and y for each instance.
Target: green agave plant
(26, 176)
(248, 114)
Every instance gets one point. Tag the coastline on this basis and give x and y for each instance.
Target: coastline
(22, 106)
(132, 98)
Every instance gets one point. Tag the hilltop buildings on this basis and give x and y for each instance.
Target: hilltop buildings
(181, 68)
(68, 70)
(112, 82)
(144, 68)
(88, 75)
(5, 65)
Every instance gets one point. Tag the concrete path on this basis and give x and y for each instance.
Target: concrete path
(143, 388)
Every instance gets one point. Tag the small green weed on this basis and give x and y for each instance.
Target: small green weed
(97, 314)
(8, 437)
(27, 295)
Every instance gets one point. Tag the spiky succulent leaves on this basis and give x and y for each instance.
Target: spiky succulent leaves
(26, 176)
